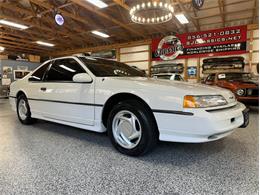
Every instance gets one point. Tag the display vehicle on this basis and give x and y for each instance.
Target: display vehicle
(242, 84)
(101, 95)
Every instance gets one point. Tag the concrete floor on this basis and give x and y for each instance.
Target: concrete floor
(48, 158)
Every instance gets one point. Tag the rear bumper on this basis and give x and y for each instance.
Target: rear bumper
(202, 126)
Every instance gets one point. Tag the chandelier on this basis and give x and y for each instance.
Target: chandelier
(151, 12)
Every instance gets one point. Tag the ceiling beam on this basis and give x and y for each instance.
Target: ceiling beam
(21, 48)
(221, 4)
(107, 17)
(102, 47)
(183, 9)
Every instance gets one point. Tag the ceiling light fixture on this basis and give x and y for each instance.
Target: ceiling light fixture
(100, 34)
(98, 3)
(13, 24)
(2, 49)
(45, 43)
(182, 18)
(161, 12)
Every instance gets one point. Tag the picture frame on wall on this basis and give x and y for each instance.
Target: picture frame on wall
(192, 71)
(7, 70)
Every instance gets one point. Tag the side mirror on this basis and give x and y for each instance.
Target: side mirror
(82, 78)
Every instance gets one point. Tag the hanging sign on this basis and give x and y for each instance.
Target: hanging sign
(197, 3)
(59, 19)
(224, 41)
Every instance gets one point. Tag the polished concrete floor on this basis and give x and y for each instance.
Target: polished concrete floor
(48, 158)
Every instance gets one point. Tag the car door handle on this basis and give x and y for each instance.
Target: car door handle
(43, 88)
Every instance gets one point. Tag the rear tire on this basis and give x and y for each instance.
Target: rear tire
(132, 128)
(23, 110)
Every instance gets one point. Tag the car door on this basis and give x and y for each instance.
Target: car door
(63, 99)
(33, 91)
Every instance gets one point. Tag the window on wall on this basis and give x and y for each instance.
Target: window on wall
(64, 70)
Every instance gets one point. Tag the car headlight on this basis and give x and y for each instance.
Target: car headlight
(241, 92)
(203, 101)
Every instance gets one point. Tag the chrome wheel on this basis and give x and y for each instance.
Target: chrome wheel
(127, 130)
(22, 109)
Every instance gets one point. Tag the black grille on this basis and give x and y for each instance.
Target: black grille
(252, 92)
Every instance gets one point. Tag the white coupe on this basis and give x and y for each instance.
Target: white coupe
(102, 95)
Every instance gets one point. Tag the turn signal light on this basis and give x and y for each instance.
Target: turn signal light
(189, 102)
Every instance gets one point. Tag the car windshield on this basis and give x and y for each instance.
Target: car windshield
(108, 68)
(234, 76)
(168, 77)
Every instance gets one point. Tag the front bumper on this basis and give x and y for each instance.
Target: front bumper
(202, 126)
(251, 100)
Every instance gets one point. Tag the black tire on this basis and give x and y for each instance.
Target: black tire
(149, 135)
(28, 120)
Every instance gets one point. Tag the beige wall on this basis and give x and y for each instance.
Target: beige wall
(139, 56)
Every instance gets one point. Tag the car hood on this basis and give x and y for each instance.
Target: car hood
(244, 83)
(157, 93)
(162, 84)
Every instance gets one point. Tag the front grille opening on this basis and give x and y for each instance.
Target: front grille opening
(232, 120)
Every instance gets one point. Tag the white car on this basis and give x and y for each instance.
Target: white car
(102, 95)
(168, 76)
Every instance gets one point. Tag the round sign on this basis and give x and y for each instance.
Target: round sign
(169, 48)
(59, 19)
(197, 3)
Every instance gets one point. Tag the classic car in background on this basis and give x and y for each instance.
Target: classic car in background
(168, 76)
(241, 84)
(217, 64)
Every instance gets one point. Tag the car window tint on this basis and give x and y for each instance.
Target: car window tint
(38, 74)
(64, 70)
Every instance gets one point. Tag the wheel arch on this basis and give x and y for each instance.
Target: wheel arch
(20, 92)
(116, 98)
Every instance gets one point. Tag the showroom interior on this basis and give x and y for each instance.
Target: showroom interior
(190, 47)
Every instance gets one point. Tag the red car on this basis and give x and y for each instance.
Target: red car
(241, 84)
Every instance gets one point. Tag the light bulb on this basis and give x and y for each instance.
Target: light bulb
(148, 20)
(139, 19)
(149, 4)
(160, 4)
(152, 19)
(155, 4)
(143, 5)
(165, 5)
(138, 7)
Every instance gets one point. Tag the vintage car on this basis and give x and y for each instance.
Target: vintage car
(136, 111)
(241, 84)
(218, 64)
(168, 76)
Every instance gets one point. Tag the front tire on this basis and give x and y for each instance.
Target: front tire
(23, 110)
(132, 128)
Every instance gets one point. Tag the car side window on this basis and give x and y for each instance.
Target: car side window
(64, 70)
(39, 74)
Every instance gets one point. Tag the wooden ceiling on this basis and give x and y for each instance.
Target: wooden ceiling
(82, 17)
